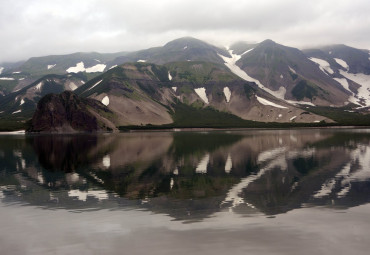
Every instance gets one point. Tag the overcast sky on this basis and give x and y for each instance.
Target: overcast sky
(43, 27)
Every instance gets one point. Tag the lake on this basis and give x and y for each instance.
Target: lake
(299, 191)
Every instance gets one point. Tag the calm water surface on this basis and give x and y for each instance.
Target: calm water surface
(235, 192)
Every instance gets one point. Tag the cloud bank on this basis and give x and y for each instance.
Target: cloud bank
(41, 27)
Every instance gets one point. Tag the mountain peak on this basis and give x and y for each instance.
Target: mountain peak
(186, 42)
(268, 43)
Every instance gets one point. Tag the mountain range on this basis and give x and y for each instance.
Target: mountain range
(191, 83)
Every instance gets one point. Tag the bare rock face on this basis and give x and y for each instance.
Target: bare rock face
(67, 113)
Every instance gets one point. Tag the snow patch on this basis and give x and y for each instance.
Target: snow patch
(169, 76)
(21, 79)
(266, 102)
(22, 102)
(323, 65)
(97, 60)
(106, 161)
(82, 195)
(201, 92)
(292, 70)
(227, 94)
(300, 102)
(360, 158)
(231, 64)
(79, 67)
(51, 66)
(94, 85)
(1, 70)
(293, 118)
(202, 166)
(364, 81)
(6, 79)
(72, 86)
(174, 89)
(270, 154)
(281, 76)
(343, 82)
(105, 101)
(176, 171)
(141, 61)
(342, 63)
(229, 164)
(17, 112)
(95, 69)
(112, 67)
(39, 86)
(185, 47)
(17, 72)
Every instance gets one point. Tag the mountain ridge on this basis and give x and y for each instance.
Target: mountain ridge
(266, 82)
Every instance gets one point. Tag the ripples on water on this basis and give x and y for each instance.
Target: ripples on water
(212, 180)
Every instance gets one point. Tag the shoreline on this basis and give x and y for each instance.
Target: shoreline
(23, 132)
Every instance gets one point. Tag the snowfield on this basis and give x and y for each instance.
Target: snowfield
(231, 64)
(17, 112)
(93, 86)
(80, 67)
(343, 82)
(323, 65)
(51, 66)
(202, 166)
(364, 81)
(39, 86)
(201, 92)
(227, 94)
(292, 70)
(105, 101)
(106, 161)
(228, 164)
(342, 63)
(72, 86)
(266, 102)
(95, 69)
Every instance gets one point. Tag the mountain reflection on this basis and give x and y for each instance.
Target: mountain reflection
(189, 175)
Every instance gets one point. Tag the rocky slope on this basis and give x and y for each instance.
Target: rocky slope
(348, 66)
(287, 74)
(69, 113)
(142, 93)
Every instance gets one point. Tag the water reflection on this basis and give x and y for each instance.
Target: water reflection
(189, 175)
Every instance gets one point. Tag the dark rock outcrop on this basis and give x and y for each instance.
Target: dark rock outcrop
(68, 113)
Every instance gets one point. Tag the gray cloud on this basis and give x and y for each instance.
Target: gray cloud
(41, 27)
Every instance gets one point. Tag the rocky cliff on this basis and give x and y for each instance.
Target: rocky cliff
(68, 113)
